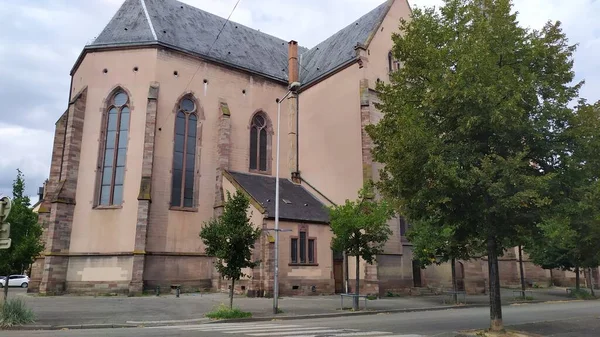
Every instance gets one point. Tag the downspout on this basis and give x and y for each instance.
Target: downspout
(298, 134)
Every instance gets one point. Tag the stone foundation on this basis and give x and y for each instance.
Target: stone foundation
(97, 287)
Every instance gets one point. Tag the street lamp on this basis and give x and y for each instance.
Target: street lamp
(292, 89)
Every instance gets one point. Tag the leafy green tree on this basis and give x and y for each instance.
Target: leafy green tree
(470, 123)
(570, 231)
(230, 238)
(436, 243)
(25, 232)
(360, 229)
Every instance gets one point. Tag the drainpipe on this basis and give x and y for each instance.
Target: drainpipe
(293, 74)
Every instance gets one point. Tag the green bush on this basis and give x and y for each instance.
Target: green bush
(581, 294)
(14, 312)
(223, 312)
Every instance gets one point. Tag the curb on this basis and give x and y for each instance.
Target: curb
(70, 327)
(343, 314)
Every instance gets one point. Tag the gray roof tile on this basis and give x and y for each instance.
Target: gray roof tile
(339, 48)
(303, 206)
(193, 30)
(128, 25)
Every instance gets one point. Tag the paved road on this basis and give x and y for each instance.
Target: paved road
(572, 319)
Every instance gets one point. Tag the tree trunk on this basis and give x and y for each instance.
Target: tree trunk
(551, 278)
(577, 278)
(494, 281)
(6, 288)
(231, 294)
(591, 281)
(454, 287)
(522, 274)
(346, 274)
(355, 304)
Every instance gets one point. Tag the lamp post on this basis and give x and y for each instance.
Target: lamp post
(292, 89)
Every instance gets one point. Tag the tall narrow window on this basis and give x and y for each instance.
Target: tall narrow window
(258, 143)
(294, 250)
(302, 247)
(184, 154)
(390, 62)
(115, 150)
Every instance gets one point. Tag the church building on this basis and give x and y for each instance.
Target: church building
(171, 107)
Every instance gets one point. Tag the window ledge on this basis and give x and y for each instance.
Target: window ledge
(266, 173)
(303, 264)
(184, 209)
(108, 207)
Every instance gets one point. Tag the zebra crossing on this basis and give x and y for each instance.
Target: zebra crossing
(279, 330)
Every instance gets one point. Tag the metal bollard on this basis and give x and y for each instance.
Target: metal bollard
(157, 290)
(177, 292)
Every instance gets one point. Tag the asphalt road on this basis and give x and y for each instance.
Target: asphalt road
(572, 319)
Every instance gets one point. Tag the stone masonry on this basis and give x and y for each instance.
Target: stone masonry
(63, 201)
(145, 197)
(44, 210)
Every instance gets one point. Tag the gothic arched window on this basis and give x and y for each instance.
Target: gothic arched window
(259, 138)
(116, 132)
(184, 154)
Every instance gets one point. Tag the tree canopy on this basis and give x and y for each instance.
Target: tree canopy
(230, 238)
(360, 228)
(25, 232)
(570, 232)
(472, 124)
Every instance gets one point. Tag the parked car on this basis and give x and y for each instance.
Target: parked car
(15, 281)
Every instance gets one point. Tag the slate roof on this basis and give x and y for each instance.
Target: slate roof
(302, 205)
(189, 29)
(338, 49)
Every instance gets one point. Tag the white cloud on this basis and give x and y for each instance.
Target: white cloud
(41, 40)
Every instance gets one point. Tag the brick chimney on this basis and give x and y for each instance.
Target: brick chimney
(293, 76)
(292, 61)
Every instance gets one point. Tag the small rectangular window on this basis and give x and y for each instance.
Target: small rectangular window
(311, 251)
(294, 250)
(402, 226)
(302, 247)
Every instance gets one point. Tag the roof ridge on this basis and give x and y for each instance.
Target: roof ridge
(230, 21)
(350, 24)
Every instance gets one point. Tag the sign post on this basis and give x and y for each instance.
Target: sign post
(5, 205)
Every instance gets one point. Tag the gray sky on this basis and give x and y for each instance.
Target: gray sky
(41, 39)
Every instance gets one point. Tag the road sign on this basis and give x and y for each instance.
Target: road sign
(5, 205)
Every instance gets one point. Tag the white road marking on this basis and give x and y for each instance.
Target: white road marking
(344, 334)
(278, 329)
(233, 328)
(301, 332)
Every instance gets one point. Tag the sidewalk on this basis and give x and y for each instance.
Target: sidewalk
(83, 310)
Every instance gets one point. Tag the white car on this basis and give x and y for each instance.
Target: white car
(15, 281)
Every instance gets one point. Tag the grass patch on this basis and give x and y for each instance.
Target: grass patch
(391, 294)
(14, 312)
(581, 294)
(371, 297)
(223, 312)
